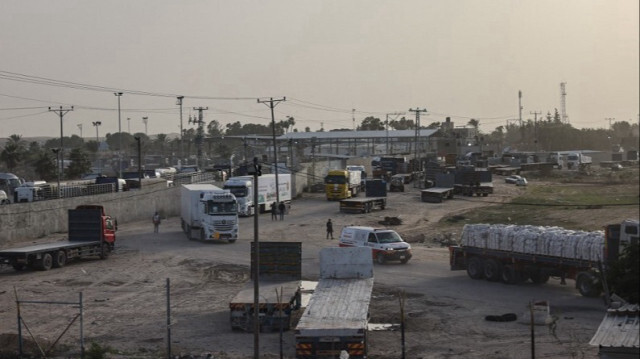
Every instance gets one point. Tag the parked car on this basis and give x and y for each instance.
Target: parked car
(513, 179)
(521, 181)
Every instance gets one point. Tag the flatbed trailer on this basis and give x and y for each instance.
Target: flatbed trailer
(91, 234)
(482, 189)
(362, 205)
(337, 315)
(281, 270)
(436, 194)
(574, 255)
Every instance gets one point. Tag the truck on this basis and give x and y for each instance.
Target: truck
(578, 161)
(443, 189)
(336, 317)
(341, 184)
(470, 181)
(242, 187)
(32, 191)
(362, 205)
(91, 233)
(516, 253)
(280, 270)
(209, 212)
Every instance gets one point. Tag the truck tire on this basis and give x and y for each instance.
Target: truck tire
(510, 275)
(380, 258)
(46, 262)
(104, 250)
(539, 276)
(492, 270)
(588, 285)
(18, 266)
(59, 259)
(475, 268)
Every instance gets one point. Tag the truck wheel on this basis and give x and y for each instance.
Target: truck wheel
(587, 285)
(60, 259)
(381, 259)
(539, 276)
(404, 261)
(18, 266)
(104, 251)
(492, 270)
(46, 262)
(510, 275)
(475, 268)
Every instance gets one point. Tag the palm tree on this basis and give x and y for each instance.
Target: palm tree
(13, 152)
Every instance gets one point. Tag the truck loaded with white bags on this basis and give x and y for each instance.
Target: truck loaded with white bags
(516, 253)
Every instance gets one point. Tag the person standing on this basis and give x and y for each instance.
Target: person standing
(281, 209)
(274, 212)
(156, 222)
(329, 229)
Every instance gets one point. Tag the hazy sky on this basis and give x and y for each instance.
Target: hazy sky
(464, 59)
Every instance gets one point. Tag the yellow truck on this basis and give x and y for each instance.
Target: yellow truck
(341, 184)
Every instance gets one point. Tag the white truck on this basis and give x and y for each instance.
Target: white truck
(209, 211)
(578, 161)
(242, 187)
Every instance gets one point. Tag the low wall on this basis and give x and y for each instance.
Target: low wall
(24, 222)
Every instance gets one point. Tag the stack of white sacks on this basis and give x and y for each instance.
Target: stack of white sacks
(538, 240)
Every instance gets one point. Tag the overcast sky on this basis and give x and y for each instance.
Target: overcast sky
(464, 59)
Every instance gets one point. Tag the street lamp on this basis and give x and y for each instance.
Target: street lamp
(96, 124)
(129, 125)
(118, 95)
(145, 120)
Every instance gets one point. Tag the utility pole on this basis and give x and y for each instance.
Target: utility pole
(180, 98)
(535, 128)
(61, 112)
(386, 126)
(417, 125)
(129, 125)
(200, 133)
(96, 124)
(145, 120)
(118, 95)
(272, 103)
(610, 119)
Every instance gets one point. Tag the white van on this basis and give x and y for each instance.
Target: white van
(385, 244)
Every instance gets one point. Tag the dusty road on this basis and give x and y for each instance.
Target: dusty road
(125, 306)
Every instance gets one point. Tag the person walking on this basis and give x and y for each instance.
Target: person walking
(274, 212)
(329, 229)
(156, 222)
(281, 209)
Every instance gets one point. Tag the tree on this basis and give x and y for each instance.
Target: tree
(371, 124)
(214, 129)
(160, 143)
(80, 163)
(474, 123)
(45, 165)
(402, 124)
(13, 153)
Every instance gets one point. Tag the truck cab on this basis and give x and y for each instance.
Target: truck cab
(220, 220)
(242, 188)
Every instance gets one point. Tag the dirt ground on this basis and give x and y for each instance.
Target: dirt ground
(124, 298)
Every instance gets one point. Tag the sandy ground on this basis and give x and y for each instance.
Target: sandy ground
(125, 297)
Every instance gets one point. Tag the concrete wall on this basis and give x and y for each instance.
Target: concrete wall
(20, 223)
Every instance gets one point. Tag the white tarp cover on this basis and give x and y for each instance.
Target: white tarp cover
(539, 240)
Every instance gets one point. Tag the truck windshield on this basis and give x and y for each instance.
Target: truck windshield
(237, 191)
(334, 180)
(221, 208)
(388, 237)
